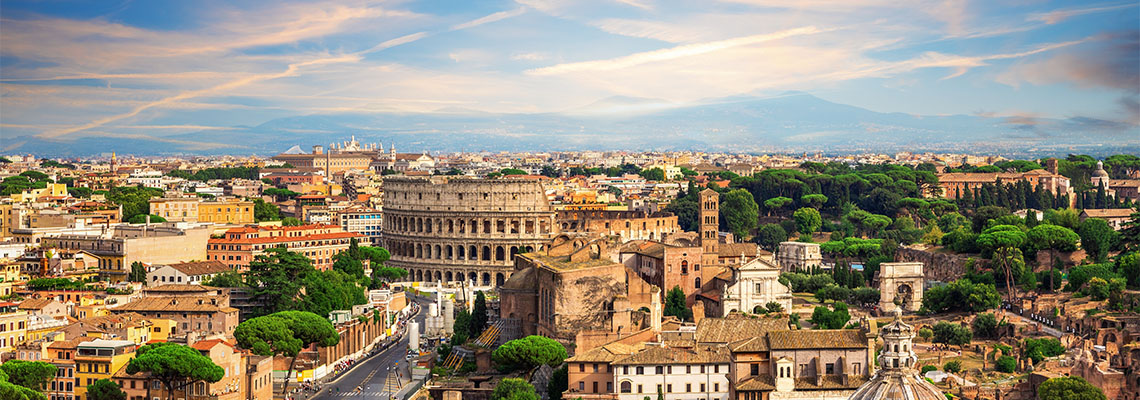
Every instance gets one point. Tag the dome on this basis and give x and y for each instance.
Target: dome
(1100, 172)
(898, 377)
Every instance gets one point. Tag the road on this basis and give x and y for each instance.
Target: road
(372, 374)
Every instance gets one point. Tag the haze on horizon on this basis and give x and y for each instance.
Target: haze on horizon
(152, 69)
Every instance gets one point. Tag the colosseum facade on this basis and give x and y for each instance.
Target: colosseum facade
(444, 230)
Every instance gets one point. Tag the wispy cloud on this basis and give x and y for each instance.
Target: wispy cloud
(1056, 16)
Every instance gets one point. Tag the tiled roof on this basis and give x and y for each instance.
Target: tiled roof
(762, 383)
(174, 287)
(35, 304)
(285, 239)
(1108, 212)
(655, 355)
(813, 339)
(173, 304)
(205, 345)
(749, 250)
(750, 345)
(200, 267)
(735, 328)
(606, 353)
(830, 382)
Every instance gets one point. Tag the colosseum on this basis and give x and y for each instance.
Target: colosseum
(443, 230)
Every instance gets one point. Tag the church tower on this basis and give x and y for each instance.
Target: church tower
(710, 238)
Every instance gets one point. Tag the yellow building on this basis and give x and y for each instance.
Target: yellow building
(160, 329)
(9, 270)
(226, 212)
(98, 359)
(175, 209)
(13, 326)
(39, 326)
(52, 189)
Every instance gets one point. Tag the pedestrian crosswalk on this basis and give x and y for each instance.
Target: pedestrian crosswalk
(364, 394)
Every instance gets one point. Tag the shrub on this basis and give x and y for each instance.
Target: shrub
(1006, 364)
(952, 366)
(928, 368)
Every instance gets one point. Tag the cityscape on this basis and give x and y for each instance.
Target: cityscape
(570, 200)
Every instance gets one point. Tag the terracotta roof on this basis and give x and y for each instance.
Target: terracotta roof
(762, 383)
(606, 353)
(830, 382)
(1108, 212)
(285, 239)
(664, 355)
(817, 339)
(200, 267)
(750, 345)
(521, 280)
(735, 328)
(35, 304)
(205, 345)
(749, 250)
(173, 287)
(173, 304)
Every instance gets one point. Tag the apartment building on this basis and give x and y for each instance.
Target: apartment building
(316, 241)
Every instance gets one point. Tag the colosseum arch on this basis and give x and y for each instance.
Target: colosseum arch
(448, 276)
(486, 279)
(500, 255)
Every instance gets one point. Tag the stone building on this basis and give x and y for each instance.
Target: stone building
(755, 284)
(463, 229)
(571, 286)
(320, 243)
(901, 285)
(147, 243)
(346, 156)
(793, 256)
(629, 225)
(953, 185)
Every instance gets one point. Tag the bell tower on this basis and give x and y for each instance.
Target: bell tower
(710, 237)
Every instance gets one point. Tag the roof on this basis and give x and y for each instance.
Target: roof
(1108, 212)
(750, 345)
(174, 304)
(735, 328)
(520, 280)
(606, 353)
(173, 287)
(283, 239)
(200, 267)
(35, 304)
(205, 345)
(749, 250)
(763, 383)
(817, 339)
(832, 382)
(656, 355)
(106, 343)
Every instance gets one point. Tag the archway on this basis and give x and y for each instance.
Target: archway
(904, 296)
(486, 279)
(499, 279)
(449, 276)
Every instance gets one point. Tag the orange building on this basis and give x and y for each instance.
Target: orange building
(317, 242)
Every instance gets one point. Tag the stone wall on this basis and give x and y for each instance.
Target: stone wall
(938, 264)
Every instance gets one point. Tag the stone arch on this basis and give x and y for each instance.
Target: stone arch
(500, 254)
(513, 252)
(904, 296)
(450, 226)
(460, 252)
(448, 276)
(462, 226)
(450, 253)
(427, 225)
(486, 279)
(684, 266)
(419, 251)
(420, 225)
(514, 226)
(697, 283)
(486, 226)
(473, 253)
(438, 276)
(500, 226)
(1109, 337)
(486, 253)
(499, 280)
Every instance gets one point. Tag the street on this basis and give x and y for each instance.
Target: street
(372, 375)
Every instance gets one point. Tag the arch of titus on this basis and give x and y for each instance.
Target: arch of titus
(901, 282)
(463, 229)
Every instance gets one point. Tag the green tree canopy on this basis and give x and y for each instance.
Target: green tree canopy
(676, 305)
(228, 279)
(776, 204)
(529, 352)
(105, 389)
(175, 365)
(653, 174)
(479, 314)
(284, 334)
(514, 389)
(952, 334)
(33, 375)
(1097, 237)
(825, 318)
(961, 295)
(1069, 388)
(807, 219)
(141, 219)
(769, 236)
(740, 212)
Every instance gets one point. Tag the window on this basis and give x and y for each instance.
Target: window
(595, 387)
(625, 370)
(688, 369)
(640, 389)
(595, 367)
(640, 371)
(659, 370)
(609, 387)
(669, 388)
(702, 387)
(581, 386)
(626, 387)
(829, 368)
(716, 387)
(755, 369)
(716, 369)
(581, 367)
(688, 388)
(659, 389)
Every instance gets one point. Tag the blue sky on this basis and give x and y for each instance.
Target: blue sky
(70, 68)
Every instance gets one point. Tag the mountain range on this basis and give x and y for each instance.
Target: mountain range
(794, 121)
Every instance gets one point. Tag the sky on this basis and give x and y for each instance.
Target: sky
(157, 68)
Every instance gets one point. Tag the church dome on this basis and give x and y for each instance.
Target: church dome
(897, 377)
(1100, 172)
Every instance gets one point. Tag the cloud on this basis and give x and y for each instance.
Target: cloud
(499, 16)
(1109, 61)
(671, 53)
(1057, 16)
(530, 56)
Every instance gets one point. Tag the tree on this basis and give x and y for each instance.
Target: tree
(529, 352)
(815, 201)
(740, 212)
(559, 382)
(833, 292)
(769, 236)
(952, 334)
(1006, 364)
(13, 391)
(653, 174)
(984, 214)
(263, 211)
(676, 305)
(1053, 238)
(141, 219)
(807, 220)
(138, 272)
(1038, 349)
(1069, 388)
(774, 307)
(933, 236)
(285, 334)
(823, 318)
(776, 204)
(961, 295)
(1097, 237)
(174, 364)
(985, 326)
(952, 366)
(290, 221)
(1004, 241)
(135, 200)
(479, 314)
(33, 375)
(105, 389)
(925, 333)
(228, 279)
(514, 389)
(328, 291)
(276, 277)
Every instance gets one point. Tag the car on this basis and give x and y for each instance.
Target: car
(411, 357)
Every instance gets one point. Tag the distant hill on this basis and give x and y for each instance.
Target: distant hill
(790, 122)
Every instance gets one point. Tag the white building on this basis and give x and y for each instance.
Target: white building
(185, 273)
(755, 284)
(678, 374)
(793, 256)
(363, 220)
